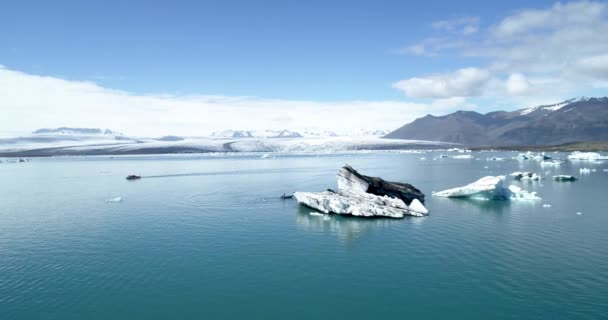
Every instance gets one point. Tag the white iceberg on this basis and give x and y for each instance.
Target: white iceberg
(563, 177)
(576, 155)
(584, 171)
(360, 205)
(488, 188)
(529, 176)
(462, 156)
(551, 163)
(355, 197)
(117, 199)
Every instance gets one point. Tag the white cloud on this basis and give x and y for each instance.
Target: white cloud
(596, 66)
(559, 15)
(30, 102)
(464, 25)
(533, 52)
(517, 84)
(465, 82)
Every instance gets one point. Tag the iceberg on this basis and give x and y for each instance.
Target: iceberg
(584, 171)
(526, 176)
(117, 199)
(576, 155)
(563, 177)
(462, 156)
(365, 196)
(488, 188)
(551, 163)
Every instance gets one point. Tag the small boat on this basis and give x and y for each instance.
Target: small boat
(284, 196)
(133, 177)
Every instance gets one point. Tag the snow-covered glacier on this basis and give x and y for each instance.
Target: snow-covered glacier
(105, 145)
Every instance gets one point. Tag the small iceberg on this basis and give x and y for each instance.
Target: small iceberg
(563, 177)
(365, 196)
(117, 199)
(463, 156)
(529, 176)
(576, 155)
(266, 156)
(546, 205)
(551, 163)
(488, 188)
(584, 171)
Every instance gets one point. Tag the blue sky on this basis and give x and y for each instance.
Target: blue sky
(311, 51)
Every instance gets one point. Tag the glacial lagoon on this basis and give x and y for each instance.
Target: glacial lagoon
(207, 237)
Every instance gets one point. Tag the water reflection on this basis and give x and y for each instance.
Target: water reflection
(346, 228)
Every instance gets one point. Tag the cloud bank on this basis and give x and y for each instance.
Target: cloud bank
(526, 56)
(30, 102)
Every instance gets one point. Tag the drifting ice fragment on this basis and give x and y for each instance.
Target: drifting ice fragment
(365, 196)
(117, 199)
(488, 188)
(563, 177)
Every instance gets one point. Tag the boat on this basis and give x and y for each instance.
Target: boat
(133, 177)
(284, 196)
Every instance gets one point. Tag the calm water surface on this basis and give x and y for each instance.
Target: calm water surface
(206, 237)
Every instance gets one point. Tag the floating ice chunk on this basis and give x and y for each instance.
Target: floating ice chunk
(488, 188)
(605, 170)
(585, 171)
(363, 205)
(417, 206)
(546, 205)
(563, 177)
(526, 176)
(586, 156)
(579, 213)
(366, 196)
(117, 199)
(463, 156)
(551, 163)
(518, 193)
(422, 158)
(485, 188)
(315, 214)
(266, 156)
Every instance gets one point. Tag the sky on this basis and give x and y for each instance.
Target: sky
(152, 68)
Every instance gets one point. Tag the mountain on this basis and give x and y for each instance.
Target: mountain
(76, 131)
(574, 120)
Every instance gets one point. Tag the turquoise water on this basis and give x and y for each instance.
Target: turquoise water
(206, 237)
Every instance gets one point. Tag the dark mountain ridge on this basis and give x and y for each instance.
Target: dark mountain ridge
(574, 120)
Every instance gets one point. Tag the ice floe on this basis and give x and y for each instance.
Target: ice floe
(563, 177)
(365, 196)
(117, 199)
(551, 163)
(530, 176)
(488, 188)
(576, 155)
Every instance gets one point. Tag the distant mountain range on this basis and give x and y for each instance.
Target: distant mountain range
(293, 134)
(72, 131)
(574, 120)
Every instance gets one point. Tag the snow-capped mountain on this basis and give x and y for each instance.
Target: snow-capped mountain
(575, 120)
(76, 131)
